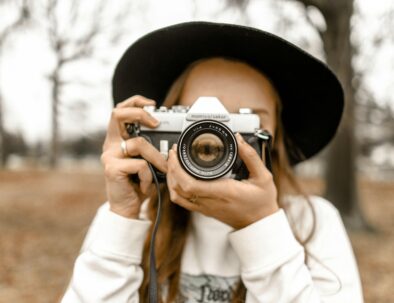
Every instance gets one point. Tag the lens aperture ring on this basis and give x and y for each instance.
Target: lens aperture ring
(210, 161)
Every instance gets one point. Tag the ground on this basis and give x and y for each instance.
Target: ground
(44, 216)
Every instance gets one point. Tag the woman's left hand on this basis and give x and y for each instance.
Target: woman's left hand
(236, 203)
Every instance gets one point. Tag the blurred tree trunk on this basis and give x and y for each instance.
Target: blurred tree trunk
(3, 152)
(62, 41)
(23, 15)
(53, 158)
(341, 170)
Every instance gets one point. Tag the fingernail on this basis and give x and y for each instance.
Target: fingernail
(154, 120)
(174, 146)
(240, 138)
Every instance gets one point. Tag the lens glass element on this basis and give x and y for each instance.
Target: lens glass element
(207, 150)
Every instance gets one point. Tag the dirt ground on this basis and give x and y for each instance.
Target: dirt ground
(44, 216)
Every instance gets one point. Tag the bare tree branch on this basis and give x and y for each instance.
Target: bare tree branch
(240, 4)
(320, 4)
(23, 16)
(327, 6)
(312, 24)
(70, 46)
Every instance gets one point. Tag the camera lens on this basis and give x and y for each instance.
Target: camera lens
(207, 149)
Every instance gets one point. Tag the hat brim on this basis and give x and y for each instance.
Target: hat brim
(311, 95)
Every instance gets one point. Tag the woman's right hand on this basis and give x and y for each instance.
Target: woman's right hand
(126, 197)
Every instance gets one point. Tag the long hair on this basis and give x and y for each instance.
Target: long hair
(175, 221)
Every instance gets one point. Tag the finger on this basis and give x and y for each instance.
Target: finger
(251, 159)
(120, 116)
(183, 202)
(137, 100)
(139, 146)
(204, 205)
(144, 175)
(188, 185)
(225, 190)
(113, 132)
(175, 197)
(132, 115)
(116, 168)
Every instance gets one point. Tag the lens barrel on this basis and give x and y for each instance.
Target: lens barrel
(207, 149)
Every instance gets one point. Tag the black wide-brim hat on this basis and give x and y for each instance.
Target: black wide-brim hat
(311, 95)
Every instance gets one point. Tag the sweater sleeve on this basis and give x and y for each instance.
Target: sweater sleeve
(108, 266)
(273, 262)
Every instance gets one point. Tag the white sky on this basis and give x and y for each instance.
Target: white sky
(27, 60)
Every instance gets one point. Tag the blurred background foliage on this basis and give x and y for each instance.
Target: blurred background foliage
(84, 39)
(57, 59)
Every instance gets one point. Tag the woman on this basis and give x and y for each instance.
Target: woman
(221, 240)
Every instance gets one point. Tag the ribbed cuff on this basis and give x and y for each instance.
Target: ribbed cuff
(264, 242)
(120, 237)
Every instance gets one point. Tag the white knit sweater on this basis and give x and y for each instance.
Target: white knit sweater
(265, 255)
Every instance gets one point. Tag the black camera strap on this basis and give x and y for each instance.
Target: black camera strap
(133, 130)
(153, 288)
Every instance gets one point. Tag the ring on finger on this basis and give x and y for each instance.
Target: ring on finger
(123, 147)
(193, 199)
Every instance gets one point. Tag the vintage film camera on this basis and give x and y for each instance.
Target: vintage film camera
(204, 133)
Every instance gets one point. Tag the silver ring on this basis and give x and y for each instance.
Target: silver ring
(123, 147)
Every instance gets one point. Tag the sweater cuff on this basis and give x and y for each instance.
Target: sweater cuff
(265, 242)
(117, 236)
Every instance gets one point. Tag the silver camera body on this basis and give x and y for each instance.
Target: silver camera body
(204, 133)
